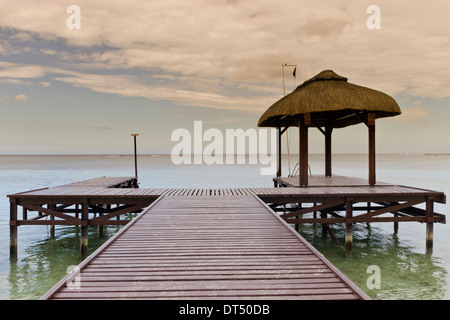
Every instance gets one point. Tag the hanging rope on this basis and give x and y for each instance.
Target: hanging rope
(287, 148)
(288, 145)
(294, 73)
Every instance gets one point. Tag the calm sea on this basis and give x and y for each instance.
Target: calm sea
(407, 270)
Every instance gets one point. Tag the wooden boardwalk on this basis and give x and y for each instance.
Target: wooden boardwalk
(207, 247)
(103, 201)
(224, 243)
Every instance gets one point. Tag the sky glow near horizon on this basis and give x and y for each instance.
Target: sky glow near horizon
(151, 67)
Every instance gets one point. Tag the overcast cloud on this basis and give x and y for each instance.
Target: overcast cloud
(226, 54)
(210, 46)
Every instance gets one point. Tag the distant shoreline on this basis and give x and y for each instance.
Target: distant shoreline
(168, 154)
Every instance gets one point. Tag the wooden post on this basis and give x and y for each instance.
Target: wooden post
(349, 224)
(297, 225)
(395, 222)
(52, 218)
(303, 154)
(371, 126)
(134, 135)
(315, 212)
(279, 153)
(323, 215)
(328, 131)
(13, 227)
(24, 213)
(101, 228)
(84, 227)
(430, 214)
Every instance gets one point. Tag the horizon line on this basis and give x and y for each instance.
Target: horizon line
(220, 154)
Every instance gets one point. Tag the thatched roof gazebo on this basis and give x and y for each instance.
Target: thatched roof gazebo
(328, 101)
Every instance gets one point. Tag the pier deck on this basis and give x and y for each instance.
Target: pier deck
(216, 243)
(207, 247)
(322, 181)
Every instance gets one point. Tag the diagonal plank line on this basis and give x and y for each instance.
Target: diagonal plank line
(116, 213)
(387, 209)
(52, 213)
(311, 209)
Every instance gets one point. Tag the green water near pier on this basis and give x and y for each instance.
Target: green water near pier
(405, 271)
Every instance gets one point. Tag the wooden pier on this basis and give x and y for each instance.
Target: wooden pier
(207, 247)
(216, 243)
(358, 203)
(86, 203)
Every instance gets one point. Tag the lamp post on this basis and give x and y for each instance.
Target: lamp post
(135, 156)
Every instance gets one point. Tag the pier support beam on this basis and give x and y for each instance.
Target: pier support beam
(349, 224)
(101, 232)
(52, 218)
(297, 225)
(323, 215)
(430, 214)
(13, 228)
(395, 215)
(84, 227)
(372, 175)
(328, 132)
(396, 224)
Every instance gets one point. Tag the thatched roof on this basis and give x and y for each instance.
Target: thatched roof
(329, 98)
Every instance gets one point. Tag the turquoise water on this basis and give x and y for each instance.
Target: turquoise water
(407, 269)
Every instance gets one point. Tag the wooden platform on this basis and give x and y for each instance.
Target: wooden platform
(107, 182)
(207, 247)
(322, 181)
(216, 243)
(103, 201)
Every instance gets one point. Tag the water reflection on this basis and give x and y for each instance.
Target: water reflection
(45, 262)
(406, 273)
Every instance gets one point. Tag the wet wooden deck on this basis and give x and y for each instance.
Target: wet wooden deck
(207, 247)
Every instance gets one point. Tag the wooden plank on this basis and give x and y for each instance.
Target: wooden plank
(186, 240)
(50, 212)
(311, 209)
(202, 293)
(391, 208)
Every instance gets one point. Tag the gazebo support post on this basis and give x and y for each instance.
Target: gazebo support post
(371, 126)
(328, 131)
(303, 154)
(279, 153)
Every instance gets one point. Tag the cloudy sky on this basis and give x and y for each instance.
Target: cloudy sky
(151, 67)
